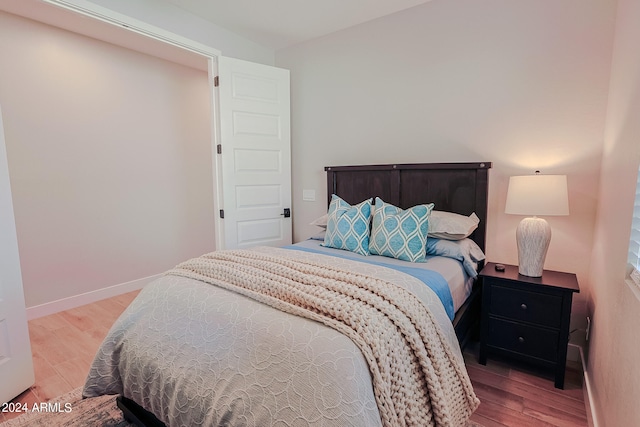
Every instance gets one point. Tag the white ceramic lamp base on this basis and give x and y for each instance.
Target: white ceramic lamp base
(533, 236)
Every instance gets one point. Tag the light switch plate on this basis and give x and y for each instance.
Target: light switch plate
(309, 195)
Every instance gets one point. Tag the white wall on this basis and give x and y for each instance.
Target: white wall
(521, 84)
(171, 18)
(110, 160)
(613, 369)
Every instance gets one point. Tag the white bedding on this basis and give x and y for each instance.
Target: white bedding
(197, 354)
(451, 270)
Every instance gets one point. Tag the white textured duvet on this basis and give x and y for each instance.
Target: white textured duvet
(197, 354)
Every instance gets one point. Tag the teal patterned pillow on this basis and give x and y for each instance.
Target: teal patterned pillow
(398, 233)
(348, 226)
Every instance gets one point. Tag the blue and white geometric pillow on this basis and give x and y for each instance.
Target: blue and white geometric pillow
(348, 226)
(399, 233)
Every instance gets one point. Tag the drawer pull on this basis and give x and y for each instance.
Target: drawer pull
(523, 306)
(521, 339)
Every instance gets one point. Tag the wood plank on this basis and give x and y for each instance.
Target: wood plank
(487, 392)
(88, 317)
(48, 345)
(51, 322)
(484, 421)
(554, 416)
(51, 388)
(76, 343)
(570, 389)
(42, 368)
(74, 371)
(508, 417)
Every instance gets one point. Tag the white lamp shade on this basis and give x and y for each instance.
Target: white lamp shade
(537, 195)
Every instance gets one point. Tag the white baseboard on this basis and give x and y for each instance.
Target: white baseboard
(593, 419)
(587, 389)
(87, 298)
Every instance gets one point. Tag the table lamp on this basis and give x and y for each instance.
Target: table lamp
(535, 195)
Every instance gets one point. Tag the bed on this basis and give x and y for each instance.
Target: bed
(330, 341)
(453, 187)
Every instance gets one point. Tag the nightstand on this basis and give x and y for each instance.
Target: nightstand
(527, 318)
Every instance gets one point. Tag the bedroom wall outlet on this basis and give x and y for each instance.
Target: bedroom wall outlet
(309, 195)
(588, 329)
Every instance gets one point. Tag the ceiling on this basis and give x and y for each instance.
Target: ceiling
(273, 24)
(281, 23)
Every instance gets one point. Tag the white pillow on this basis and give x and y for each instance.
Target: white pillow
(452, 226)
(464, 250)
(321, 222)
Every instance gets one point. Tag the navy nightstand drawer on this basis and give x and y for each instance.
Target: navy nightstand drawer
(532, 307)
(523, 339)
(527, 318)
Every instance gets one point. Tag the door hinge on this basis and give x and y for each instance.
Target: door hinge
(219, 148)
(222, 213)
(216, 81)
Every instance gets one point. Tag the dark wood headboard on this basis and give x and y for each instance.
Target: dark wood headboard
(454, 187)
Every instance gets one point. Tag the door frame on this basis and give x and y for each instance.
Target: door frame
(13, 323)
(210, 54)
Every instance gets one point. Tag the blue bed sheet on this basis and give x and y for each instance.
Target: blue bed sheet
(432, 279)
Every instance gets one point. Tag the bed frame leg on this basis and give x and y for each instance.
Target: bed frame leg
(136, 414)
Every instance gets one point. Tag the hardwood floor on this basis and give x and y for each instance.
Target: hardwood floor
(513, 395)
(63, 346)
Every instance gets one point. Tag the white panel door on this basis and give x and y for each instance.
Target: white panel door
(255, 153)
(16, 365)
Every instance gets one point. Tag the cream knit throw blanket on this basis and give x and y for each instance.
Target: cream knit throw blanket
(417, 379)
